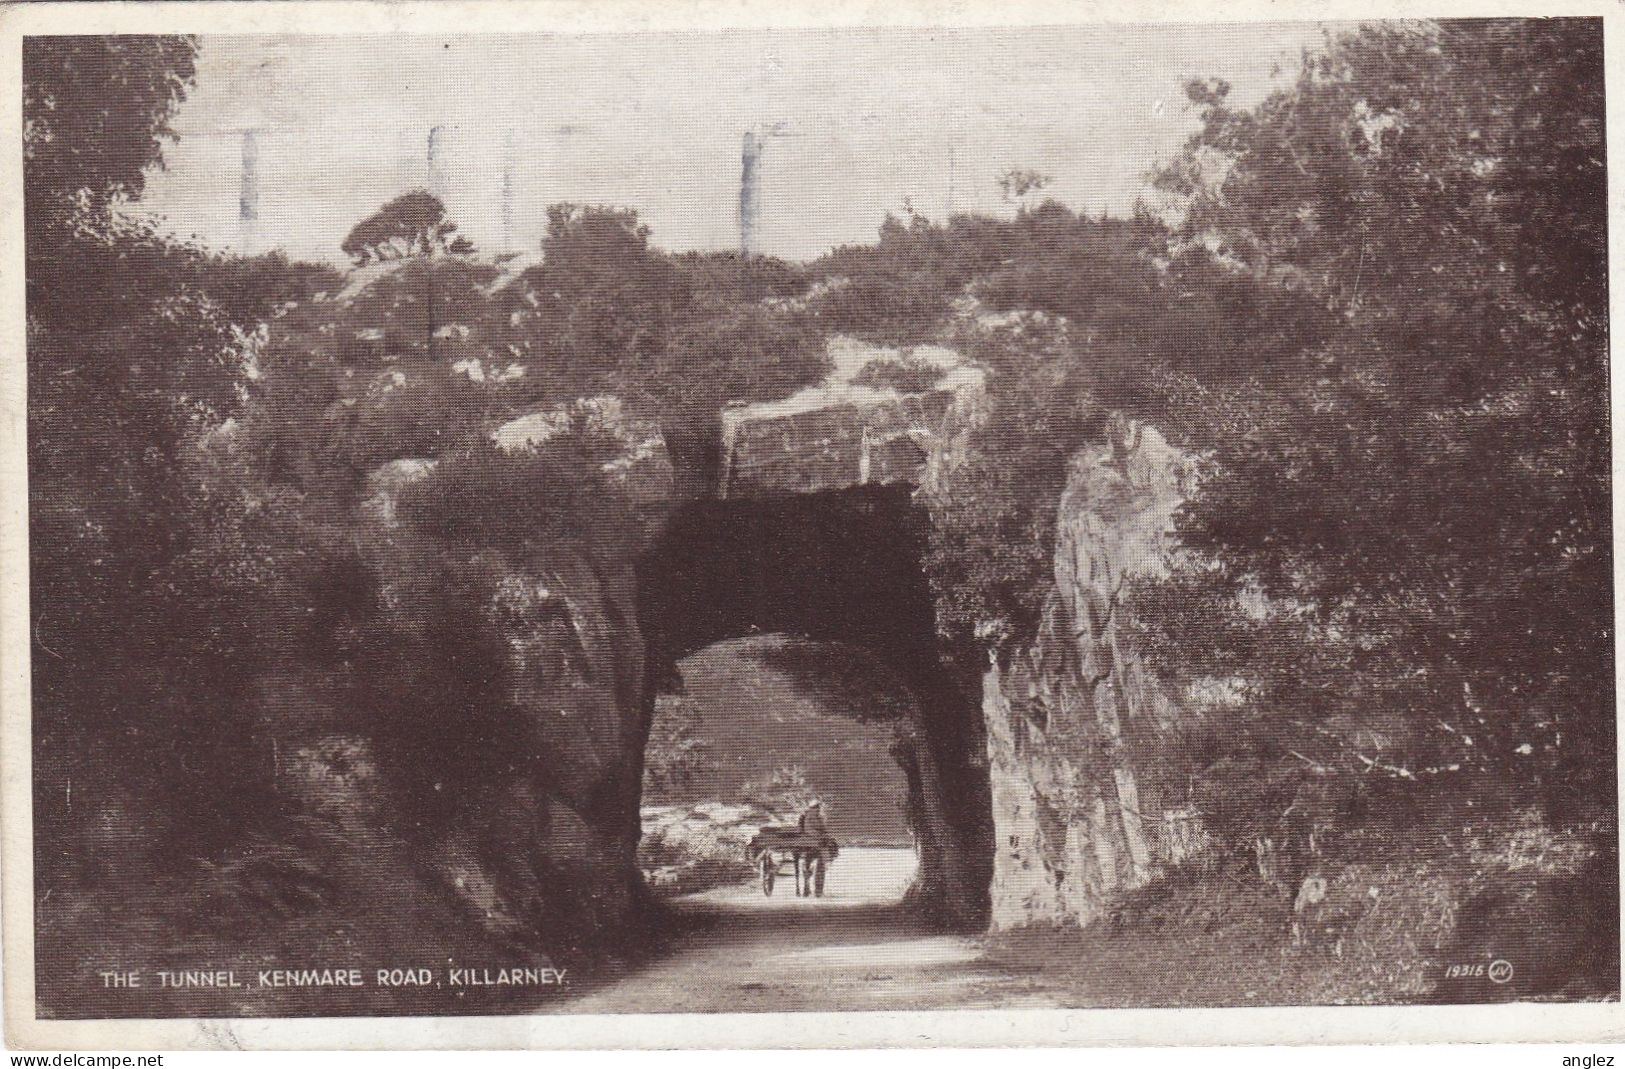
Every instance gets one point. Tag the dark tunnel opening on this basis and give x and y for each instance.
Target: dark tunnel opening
(841, 567)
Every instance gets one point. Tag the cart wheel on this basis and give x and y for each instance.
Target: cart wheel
(769, 869)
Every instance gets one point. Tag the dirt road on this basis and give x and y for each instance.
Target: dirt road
(853, 949)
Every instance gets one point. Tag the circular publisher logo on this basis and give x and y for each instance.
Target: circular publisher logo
(1500, 971)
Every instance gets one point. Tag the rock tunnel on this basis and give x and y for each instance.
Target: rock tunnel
(841, 566)
(803, 518)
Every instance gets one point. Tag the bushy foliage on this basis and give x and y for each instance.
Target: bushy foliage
(156, 563)
(1356, 313)
(419, 356)
(1102, 305)
(730, 277)
(675, 337)
(83, 145)
(844, 680)
(991, 555)
(897, 291)
(722, 353)
(522, 500)
(603, 298)
(430, 692)
(399, 366)
(1109, 314)
(1113, 327)
(1399, 549)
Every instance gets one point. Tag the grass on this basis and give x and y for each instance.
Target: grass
(1397, 912)
(274, 906)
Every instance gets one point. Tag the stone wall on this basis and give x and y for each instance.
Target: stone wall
(1074, 719)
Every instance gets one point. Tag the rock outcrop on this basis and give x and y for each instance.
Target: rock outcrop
(1079, 809)
(843, 432)
(555, 842)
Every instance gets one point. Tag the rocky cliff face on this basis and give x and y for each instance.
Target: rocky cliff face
(555, 843)
(1079, 808)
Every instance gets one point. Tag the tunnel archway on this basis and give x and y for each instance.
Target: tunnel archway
(841, 567)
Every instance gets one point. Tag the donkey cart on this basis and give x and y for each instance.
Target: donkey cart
(779, 851)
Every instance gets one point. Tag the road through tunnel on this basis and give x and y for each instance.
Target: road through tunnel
(843, 570)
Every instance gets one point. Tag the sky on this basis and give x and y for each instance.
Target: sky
(856, 123)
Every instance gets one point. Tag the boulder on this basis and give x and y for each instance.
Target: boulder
(841, 433)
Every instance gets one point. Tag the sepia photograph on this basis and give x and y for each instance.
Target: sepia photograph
(784, 519)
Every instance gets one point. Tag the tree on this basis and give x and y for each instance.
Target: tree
(413, 224)
(156, 567)
(78, 136)
(106, 365)
(716, 353)
(675, 337)
(591, 246)
(1403, 527)
(676, 752)
(606, 300)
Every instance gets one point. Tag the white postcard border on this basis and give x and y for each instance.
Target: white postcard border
(1518, 1023)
